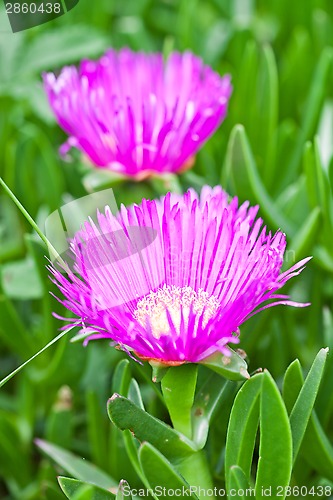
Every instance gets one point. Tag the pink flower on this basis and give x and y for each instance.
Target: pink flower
(174, 279)
(134, 114)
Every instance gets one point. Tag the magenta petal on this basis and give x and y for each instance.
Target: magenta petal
(182, 294)
(134, 114)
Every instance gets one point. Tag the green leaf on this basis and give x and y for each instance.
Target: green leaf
(59, 426)
(318, 186)
(232, 367)
(37, 251)
(242, 171)
(160, 472)
(302, 409)
(72, 486)
(53, 341)
(132, 446)
(53, 49)
(243, 426)
(310, 170)
(238, 483)
(244, 109)
(13, 459)
(315, 448)
(209, 398)
(330, 174)
(178, 387)
(21, 343)
(10, 231)
(126, 415)
(134, 394)
(121, 377)
(275, 451)
(323, 257)
(96, 429)
(305, 238)
(78, 467)
(312, 109)
(268, 103)
(102, 179)
(162, 184)
(20, 280)
(292, 384)
(123, 491)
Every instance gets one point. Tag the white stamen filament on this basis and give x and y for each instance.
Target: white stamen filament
(177, 301)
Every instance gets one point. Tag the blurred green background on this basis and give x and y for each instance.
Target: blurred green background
(275, 148)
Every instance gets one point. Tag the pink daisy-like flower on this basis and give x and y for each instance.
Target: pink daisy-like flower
(135, 114)
(174, 279)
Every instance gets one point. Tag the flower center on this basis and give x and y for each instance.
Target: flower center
(178, 302)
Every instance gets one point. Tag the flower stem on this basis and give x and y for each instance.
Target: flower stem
(178, 387)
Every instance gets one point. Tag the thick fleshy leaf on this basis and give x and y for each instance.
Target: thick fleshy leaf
(238, 484)
(244, 109)
(318, 188)
(232, 367)
(316, 448)
(71, 487)
(292, 384)
(242, 170)
(123, 491)
(306, 236)
(209, 398)
(311, 109)
(302, 409)
(330, 174)
(268, 102)
(126, 415)
(122, 377)
(275, 450)
(243, 427)
(96, 430)
(132, 447)
(76, 466)
(178, 387)
(134, 394)
(160, 473)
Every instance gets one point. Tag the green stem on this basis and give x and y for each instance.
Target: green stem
(196, 472)
(178, 387)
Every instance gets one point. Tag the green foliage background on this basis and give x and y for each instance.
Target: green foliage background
(275, 148)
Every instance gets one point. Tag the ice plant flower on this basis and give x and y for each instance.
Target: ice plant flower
(135, 114)
(174, 279)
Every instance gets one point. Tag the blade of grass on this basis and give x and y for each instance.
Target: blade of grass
(53, 341)
(33, 224)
